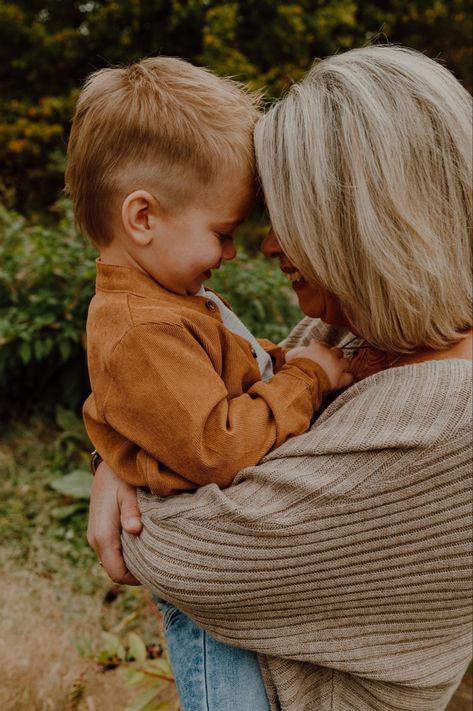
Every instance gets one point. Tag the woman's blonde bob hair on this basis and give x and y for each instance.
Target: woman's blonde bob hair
(366, 167)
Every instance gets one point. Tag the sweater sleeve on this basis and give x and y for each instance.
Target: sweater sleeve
(348, 548)
(170, 401)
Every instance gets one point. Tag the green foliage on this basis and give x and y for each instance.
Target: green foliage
(76, 485)
(33, 457)
(150, 675)
(49, 48)
(46, 282)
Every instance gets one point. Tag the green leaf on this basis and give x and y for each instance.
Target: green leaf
(135, 677)
(142, 700)
(157, 666)
(77, 484)
(62, 512)
(113, 646)
(164, 706)
(66, 419)
(24, 352)
(137, 648)
(38, 349)
(65, 349)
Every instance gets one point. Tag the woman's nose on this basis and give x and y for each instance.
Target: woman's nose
(270, 245)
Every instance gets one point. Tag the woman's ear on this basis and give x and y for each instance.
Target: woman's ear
(139, 217)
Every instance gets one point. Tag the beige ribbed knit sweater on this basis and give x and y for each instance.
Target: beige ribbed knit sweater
(345, 558)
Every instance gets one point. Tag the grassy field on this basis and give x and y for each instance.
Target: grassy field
(56, 601)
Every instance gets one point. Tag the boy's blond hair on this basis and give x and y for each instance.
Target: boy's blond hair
(366, 167)
(160, 124)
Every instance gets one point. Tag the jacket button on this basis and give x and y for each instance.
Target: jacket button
(210, 306)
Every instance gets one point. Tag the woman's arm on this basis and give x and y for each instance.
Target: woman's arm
(347, 548)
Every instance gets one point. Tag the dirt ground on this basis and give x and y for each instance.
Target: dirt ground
(40, 664)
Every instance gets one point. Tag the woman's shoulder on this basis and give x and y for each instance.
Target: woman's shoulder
(430, 397)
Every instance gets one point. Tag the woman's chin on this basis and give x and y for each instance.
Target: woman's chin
(311, 300)
(317, 302)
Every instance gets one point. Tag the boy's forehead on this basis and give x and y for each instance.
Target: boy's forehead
(227, 200)
(234, 189)
(235, 199)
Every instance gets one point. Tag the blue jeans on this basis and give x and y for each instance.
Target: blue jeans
(210, 675)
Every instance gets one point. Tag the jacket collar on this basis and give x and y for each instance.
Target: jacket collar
(132, 281)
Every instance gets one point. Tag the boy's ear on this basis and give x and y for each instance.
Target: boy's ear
(139, 216)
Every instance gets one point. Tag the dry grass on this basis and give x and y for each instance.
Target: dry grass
(39, 662)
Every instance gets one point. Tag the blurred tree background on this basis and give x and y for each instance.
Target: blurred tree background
(48, 48)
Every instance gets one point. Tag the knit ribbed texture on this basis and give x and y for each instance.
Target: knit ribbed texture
(345, 558)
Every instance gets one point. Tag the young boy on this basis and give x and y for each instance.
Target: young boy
(161, 172)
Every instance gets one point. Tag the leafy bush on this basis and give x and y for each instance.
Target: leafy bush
(47, 279)
(46, 282)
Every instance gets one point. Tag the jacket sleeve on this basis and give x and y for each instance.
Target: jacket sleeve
(132, 464)
(167, 398)
(276, 352)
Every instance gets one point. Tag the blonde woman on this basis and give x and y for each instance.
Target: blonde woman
(344, 559)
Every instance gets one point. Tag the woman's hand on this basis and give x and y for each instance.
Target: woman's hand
(113, 506)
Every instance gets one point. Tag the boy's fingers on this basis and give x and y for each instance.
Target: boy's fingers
(346, 379)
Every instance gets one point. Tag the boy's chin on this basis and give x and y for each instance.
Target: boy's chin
(194, 290)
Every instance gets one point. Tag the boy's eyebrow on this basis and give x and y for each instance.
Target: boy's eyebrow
(231, 223)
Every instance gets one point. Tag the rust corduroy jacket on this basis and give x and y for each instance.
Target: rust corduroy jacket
(177, 400)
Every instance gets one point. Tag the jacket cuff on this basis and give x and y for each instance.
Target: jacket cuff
(315, 377)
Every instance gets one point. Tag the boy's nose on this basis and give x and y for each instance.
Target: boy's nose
(229, 250)
(270, 245)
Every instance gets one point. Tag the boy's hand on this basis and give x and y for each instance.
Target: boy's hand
(330, 359)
